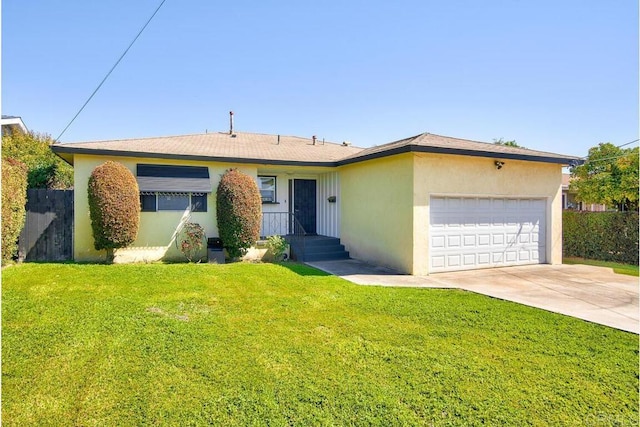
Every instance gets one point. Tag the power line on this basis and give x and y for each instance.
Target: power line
(586, 158)
(608, 158)
(628, 143)
(110, 71)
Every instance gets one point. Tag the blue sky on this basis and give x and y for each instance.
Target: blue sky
(557, 76)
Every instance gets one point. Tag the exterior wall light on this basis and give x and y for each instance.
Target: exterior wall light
(331, 199)
(499, 164)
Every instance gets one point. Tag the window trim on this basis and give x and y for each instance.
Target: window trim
(275, 189)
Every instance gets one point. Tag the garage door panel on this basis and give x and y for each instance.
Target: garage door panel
(469, 259)
(484, 239)
(512, 238)
(468, 233)
(438, 242)
(453, 260)
(484, 258)
(469, 240)
(438, 262)
(454, 241)
(510, 256)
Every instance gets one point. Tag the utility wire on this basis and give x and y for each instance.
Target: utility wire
(586, 158)
(628, 143)
(110, 71)
(608, 158)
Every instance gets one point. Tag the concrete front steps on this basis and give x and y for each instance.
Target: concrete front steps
(317, 248)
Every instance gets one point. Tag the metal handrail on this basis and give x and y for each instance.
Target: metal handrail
(284, 224)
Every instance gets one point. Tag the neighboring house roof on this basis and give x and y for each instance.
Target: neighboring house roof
(431, 143)
(289, 150)
(12, 124)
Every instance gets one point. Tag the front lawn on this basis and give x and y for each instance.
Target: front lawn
(619, 268)
(261, 344)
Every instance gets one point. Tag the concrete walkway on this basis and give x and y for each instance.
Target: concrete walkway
(595, 294)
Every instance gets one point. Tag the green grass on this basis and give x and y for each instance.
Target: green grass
(631, 270)
(261, 344)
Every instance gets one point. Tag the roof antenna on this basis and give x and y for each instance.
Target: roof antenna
(314, 140)
(230, 122)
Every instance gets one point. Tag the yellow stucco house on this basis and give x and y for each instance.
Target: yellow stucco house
(421, 205)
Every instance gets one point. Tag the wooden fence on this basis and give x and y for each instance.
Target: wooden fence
(48, 230)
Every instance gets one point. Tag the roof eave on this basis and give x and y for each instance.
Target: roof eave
(69, 152)
(462, 152)
(64, 155)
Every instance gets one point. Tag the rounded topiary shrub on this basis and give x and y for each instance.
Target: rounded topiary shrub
(114, 207)
(239, 212)
(14, 199)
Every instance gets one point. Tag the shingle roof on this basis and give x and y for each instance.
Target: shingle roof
(432, 143)
(290, 150)
(239, 147)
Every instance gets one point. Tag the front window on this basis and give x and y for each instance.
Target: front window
(173, 201)
(169, 201)
(267, 186)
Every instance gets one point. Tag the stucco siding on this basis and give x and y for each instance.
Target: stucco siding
(381, 212)
(436, 174)
(156, 236)
(376, 211)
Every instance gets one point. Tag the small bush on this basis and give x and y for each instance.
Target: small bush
(604, 236)
(239, 212)
(277, 246)
(14, 199)
(191, 241)
(114, 207)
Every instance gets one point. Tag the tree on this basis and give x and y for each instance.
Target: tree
(609, 177)
(239, 212)
(511, 143)
(114, 207)
(14, 199)
(45, 169)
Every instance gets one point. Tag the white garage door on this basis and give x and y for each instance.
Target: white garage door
(469, 233)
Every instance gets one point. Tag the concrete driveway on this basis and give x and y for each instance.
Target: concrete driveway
(595, 294)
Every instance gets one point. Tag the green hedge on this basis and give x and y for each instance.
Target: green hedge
(239, 212)
(605, 236)
(114, 207)
(14, 199)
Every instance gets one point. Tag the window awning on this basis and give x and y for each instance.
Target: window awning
(174, 185)
(173, 179)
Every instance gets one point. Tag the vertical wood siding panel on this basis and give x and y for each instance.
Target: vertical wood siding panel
(329, 213)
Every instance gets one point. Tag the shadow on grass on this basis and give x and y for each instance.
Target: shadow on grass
(302, 269)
